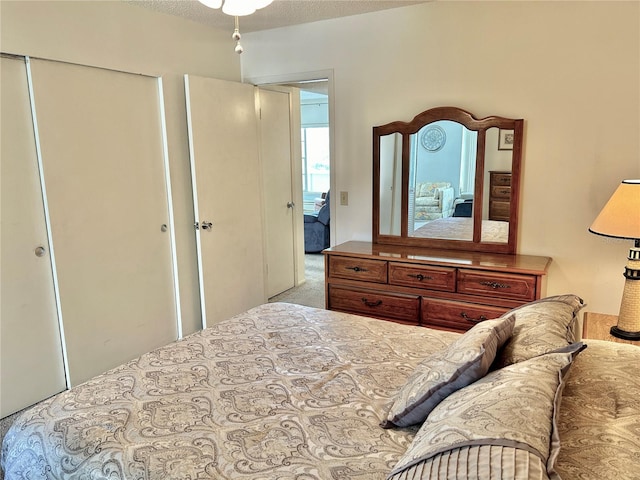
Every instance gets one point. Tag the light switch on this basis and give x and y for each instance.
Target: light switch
(344, 198)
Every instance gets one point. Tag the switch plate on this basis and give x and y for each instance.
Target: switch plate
(344, 198)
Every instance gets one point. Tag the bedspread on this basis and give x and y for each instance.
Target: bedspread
(279, 392)
(599, 420)
(461, 228)
(286, 392)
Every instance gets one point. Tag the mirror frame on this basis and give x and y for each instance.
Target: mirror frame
(455, 114)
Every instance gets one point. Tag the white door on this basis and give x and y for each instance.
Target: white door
(31, 360)
(101, 140)
(280, 208)
(226, 182)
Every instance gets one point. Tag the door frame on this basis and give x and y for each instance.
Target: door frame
(274, 81)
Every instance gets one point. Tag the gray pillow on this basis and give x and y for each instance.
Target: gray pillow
(504, 422)
(541, 326)
(441, 373)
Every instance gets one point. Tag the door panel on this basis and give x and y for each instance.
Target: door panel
(226, 183)
(275, 152)
(102, 152)
(31, 360)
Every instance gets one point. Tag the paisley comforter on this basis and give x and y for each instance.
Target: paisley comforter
(280, 392)
(286, 392)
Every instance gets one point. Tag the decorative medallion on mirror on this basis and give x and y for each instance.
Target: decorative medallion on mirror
(447, 179)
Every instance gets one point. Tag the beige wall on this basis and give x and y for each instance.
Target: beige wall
(125, 37)
(570, 69)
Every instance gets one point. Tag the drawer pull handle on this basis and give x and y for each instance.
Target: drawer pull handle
(420, 277)
(495, 285)
(482, 318)
(371, 304)
(356, 269)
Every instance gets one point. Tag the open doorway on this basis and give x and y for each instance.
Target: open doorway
(315, 168)
(317, 97)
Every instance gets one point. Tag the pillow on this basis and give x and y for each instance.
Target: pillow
(443, 372)
(503, 425)
(541, 326)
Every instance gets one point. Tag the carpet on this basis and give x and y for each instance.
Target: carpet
(311, 292)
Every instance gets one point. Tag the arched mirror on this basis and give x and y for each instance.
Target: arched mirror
(448, 180)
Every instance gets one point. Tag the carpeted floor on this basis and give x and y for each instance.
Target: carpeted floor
(310, 293)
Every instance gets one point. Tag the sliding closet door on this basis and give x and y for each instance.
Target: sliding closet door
(226, 183)
(280, 208)
(101, 139)
(31, 365)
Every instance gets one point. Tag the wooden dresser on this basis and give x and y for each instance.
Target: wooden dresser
(499, 195)
(445, 289)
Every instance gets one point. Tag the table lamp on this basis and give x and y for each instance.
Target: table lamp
(620, 218)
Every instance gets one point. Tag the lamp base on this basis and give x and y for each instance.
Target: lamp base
(616, 332)
(628, 325)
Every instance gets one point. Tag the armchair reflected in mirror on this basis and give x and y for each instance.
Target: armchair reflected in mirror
(448, 180)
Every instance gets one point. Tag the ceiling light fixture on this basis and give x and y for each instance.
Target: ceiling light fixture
(237, 8)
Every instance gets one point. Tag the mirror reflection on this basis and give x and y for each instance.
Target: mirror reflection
(497, 187)
(390, 183)
(447, 179)
(442, 164)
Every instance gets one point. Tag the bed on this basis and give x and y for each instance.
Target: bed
(291, 392)
(461, 228)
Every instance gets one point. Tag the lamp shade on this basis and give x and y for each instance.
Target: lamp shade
(620, 217)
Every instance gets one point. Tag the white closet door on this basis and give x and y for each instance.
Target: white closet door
(102, 150)
(31, 365)
(226, 181)
(275, 153)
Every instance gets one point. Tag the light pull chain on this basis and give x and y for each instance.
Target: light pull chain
(236, 36)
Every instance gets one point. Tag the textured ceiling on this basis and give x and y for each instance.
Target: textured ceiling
(280, 13)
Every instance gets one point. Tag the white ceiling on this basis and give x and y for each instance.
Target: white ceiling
(280, 13)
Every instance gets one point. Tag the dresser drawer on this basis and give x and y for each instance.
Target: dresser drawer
(460, 316)
(358, 269)
(499, 210)
(502, 179)
(502, 192)
(516, 287)
(373, 303)
(432, 278)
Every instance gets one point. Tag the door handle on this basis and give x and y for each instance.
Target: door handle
(290, 204)
(40, 251)
(204, 225)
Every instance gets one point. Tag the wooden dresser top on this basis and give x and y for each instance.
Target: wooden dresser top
(533, 264)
